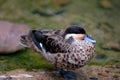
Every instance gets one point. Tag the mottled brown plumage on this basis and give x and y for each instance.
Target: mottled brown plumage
(64, 54)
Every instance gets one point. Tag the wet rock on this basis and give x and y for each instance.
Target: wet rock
(112, 45)
(10, 35)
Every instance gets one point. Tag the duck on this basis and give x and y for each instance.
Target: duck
(67, 50)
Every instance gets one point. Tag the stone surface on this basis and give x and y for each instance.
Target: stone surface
(10, 35)
(84, 73)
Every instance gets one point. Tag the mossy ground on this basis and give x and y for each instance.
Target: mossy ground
(89, 13)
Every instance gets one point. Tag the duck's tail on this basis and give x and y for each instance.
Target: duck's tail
(25, 41)
(30, 41)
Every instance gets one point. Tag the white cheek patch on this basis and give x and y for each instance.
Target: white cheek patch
(70, 35)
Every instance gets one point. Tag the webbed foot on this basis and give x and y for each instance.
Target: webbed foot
(66, 74)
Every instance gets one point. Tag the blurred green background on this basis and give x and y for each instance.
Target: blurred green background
(100, 18)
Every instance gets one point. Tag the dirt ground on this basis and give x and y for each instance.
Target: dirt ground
(85, 73)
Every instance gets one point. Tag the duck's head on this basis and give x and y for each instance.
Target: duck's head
(78, 33)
